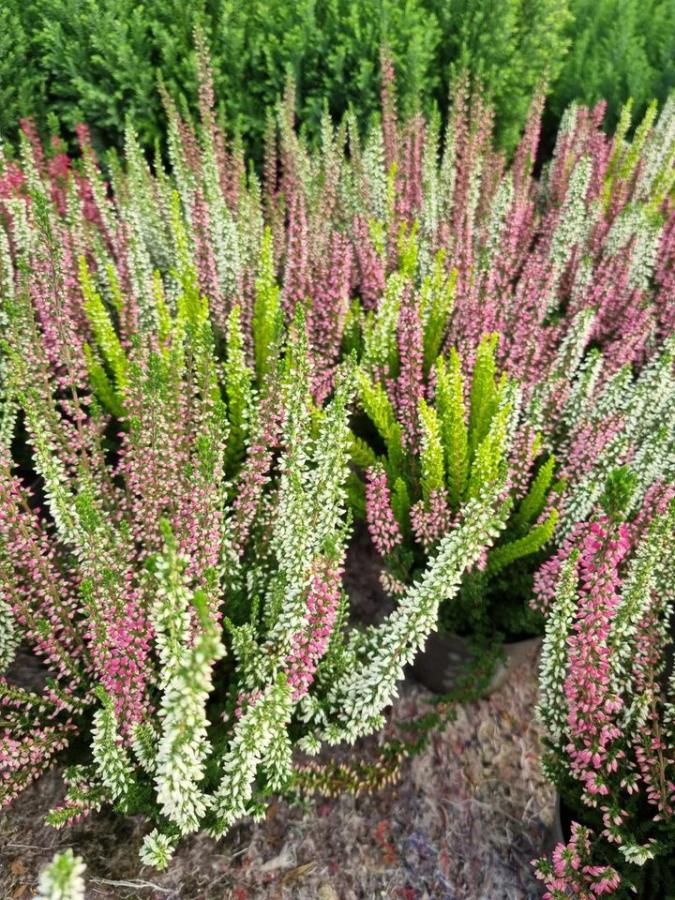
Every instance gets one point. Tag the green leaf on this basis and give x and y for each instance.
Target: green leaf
(490, 457)
(267, 314)
(400, 504)
(101, 385)
(438, 298)
(533, 502)
(105, 335)
(454, 431)
(379, 410)
(431, 455)
(483, 397)
(361, 453)
(533, 541)
(238, 385)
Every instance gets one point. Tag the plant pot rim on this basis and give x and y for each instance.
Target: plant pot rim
(558, 831)
(445, 657)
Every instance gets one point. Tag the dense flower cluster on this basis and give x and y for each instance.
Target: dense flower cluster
(204, 375)
(608, 705)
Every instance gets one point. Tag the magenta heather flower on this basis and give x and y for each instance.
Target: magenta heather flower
(431, 519)
(296, 271)
(570, 872)
(256, 471)
(310, 644)
(330, 304)
(382, 525)
(592, 702)
(371, 277)
(409, 387)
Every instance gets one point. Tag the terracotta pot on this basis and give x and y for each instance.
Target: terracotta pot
(446, 658)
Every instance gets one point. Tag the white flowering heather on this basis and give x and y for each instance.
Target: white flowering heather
(172, 611)
(267, 716)
(113, 765)
(622, 420)
(62, 878)
(144, 744)
(187, 683)
(9, 635)
(573, 223)
(376, 661)
(553, 666)
(157, 849)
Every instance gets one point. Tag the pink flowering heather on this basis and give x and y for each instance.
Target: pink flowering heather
(310, 644)
(330, 305)
(409, 386)
(384, 530)
(570, 872)
(431, 520)
(592, 718)
(369, 269)
(607, 703)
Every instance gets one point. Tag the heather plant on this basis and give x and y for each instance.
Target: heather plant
(607, 700)
(175, 455)
(578, 259)
(445, 438)
(145, 566)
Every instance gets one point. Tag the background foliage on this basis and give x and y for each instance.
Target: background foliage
(618, 49)
(67, 61)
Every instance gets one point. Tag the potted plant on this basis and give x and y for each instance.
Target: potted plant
(608, 701)
(431, 434)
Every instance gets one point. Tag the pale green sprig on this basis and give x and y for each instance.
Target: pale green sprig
(257, 729)
(157, 849)
(552, 708)
(113, 764)
(63, 878)
(368, 684)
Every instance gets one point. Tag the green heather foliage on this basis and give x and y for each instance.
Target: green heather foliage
(511, 46)
(436, 459)
(97, 61)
